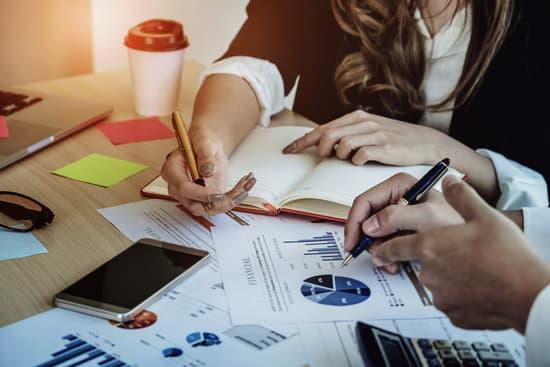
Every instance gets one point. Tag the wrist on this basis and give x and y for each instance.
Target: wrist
(515, 216)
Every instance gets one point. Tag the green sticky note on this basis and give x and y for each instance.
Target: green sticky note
(100, 170)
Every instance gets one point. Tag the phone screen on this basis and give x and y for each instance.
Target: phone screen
(133, 276)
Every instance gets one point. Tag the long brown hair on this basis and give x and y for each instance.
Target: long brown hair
(388, 68)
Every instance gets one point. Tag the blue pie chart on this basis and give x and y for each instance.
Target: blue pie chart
(335, 290)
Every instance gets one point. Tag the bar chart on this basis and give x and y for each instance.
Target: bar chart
(324, 246)
(77, 352)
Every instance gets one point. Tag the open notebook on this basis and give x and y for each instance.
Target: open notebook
(303, 183)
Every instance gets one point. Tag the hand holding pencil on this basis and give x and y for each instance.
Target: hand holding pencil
(198, 186)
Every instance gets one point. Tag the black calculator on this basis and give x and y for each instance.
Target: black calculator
(379, 347)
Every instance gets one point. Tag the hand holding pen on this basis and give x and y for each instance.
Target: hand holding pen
(198, 183)
(382, 211)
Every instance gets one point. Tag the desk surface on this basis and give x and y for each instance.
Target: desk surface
(80, 239)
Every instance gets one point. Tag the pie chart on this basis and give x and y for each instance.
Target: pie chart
(335, 290)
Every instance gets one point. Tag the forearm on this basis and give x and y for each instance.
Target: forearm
(479, 169)
(225, 107)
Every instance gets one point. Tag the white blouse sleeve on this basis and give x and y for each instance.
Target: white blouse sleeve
(538, 330)
(520, 186)
(263, 77)
(536, 223)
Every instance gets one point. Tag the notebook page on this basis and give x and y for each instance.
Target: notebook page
(276, 173)
(340, 181)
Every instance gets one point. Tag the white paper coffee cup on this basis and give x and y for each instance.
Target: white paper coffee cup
(156, 54)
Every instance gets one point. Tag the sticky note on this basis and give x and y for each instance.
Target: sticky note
(14, 245)
(132, 131)
(4, 131)
(100, 170)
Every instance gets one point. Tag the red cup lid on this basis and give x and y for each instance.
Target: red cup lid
(157, 35)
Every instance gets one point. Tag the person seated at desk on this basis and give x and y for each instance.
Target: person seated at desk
(482, 271)
(469, 78)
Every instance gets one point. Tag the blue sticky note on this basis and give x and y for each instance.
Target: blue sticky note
(15, 244)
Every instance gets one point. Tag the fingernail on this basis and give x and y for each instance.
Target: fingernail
(237, 200)
(250, 184)
(392, 268)
(206, 169)
(215, 198)
(371, 226)
(377, 261)
(290, 148)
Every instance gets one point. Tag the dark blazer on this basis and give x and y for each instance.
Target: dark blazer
(506, 115)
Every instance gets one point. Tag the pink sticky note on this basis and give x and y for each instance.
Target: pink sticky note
(4, 131)
(132, 131)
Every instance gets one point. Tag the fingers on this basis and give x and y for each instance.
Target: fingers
(378, 197)
(368, 153)
(396, 218)
(464, 199)
(205, 152)
(314, 136)
(350, 142)
(200, 200)
(349, 137)
(402, 248)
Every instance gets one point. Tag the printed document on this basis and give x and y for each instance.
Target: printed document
(288, 270)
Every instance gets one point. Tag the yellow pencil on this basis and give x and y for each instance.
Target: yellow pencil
(186, 148)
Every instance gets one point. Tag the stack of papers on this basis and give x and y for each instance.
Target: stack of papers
(274, 295)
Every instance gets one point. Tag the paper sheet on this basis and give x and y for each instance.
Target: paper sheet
(163, 220)
(4, 131)
(288, 270)
(132, 131)
(100, 170)
(14, 245)
(175, 331)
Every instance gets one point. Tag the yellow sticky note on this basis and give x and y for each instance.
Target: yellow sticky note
(100, 170)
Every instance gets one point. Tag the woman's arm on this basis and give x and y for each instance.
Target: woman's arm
(225, 110)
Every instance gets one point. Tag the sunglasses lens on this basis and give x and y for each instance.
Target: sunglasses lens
(9, 219)
(21, 201)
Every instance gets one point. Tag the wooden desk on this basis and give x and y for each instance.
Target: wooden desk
(80, 239)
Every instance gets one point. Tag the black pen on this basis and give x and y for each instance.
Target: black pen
(414, 194)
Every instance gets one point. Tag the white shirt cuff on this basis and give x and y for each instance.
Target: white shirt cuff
(263, 77)
(538, 330)
(536, 227)
(520, 186)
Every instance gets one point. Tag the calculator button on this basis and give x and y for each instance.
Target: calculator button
(499, 347)
(481, 346)
(495, 356)
(451, 363)
(491, 364)
(424, 343)
(433, 362)
(447, 354)
(460, 344)
(442, 344)
(470, 363)
(429, 353)
(509, 364)
(466, 355)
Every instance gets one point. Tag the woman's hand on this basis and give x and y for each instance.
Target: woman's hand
(213, 167)
(362, 137)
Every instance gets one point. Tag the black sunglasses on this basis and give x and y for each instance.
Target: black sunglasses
(21, 213)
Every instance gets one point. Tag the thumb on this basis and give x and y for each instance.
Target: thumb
(206, 153)
(463, 198)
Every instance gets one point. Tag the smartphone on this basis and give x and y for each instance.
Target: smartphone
(129, 282)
